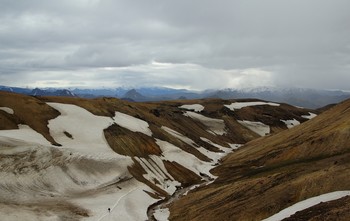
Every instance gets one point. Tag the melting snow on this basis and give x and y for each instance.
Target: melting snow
(291, 123)
(156, 171)
(306, 204)
(189, 161)
(7, 110)
(86, 130)
(194, 107)
(162, 214)
(257, 127)
(239, 105)
(310, 116)
(216, 126)
(211, 155)
(132, 123)
(235, 146)
(25, 134)
(128, 202)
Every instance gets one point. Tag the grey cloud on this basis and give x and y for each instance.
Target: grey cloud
(300, 43)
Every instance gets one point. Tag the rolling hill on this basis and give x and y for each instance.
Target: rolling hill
(274, 172)
(72, 158)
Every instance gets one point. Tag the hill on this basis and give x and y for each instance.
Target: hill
(66, 157)
(275, 172)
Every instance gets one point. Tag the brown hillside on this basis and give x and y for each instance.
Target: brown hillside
(274, 172)
(27, 110)
(34, 112)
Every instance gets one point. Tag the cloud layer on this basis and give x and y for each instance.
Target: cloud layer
(195, 44)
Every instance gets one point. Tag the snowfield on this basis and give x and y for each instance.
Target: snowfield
(86, 131)
(307, 204)
(7, 110)
(240, 105)
(215, 126)
(132, 123)
(193, 107)
(257, 127)
(86, 174)
(127, 201)
(25, 135)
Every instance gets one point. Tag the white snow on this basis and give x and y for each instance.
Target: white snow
(162, 214)
(214, 156)
(86, 130)
(194, 107)
(128, 203)
(7, 110)
(215, 126)
(239, 105)
(235, 146)
(187, 160)
(224, 149)
(157, 174)
(132, 123)
(257, 127)
(310, 116)
(291, 123)
(306, 204)
(25, 134)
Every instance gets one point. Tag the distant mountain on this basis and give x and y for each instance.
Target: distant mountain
(61, 93)
(133, 95)
(303, 97)
(18, 90)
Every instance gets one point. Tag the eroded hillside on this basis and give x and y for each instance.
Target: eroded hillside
(275, 172)
(90, 155)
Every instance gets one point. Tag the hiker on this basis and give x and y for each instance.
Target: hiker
(109, 210)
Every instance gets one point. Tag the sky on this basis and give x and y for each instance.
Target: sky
(197, 44)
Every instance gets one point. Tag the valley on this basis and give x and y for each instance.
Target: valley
(69, 158)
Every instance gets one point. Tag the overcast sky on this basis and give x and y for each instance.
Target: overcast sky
(193, 44)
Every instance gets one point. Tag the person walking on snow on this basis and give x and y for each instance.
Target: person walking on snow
(109, 210)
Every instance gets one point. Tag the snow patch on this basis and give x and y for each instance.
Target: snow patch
(187, 160)
(235, 146)
(239, 105)
(127, 202)
(257, 127)
(214, 156)
(215, 126)
(302, 205)
(7, 110)
(162, 214)
(86, 130)
(291, 123)
(132, 123)
(157, 174)
(310, 116)
(223, 149)
(194, 107)
(25, 134)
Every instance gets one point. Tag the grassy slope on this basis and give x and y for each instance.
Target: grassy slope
(27, 110)
(274, 172)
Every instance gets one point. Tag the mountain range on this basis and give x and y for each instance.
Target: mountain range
(303, 97)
